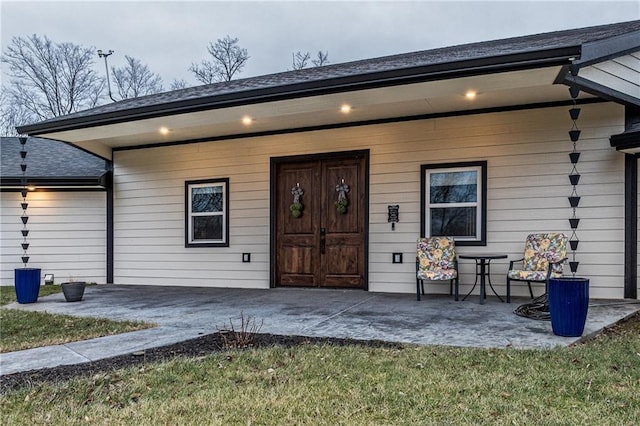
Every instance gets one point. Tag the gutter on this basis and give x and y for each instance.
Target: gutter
(97, 183)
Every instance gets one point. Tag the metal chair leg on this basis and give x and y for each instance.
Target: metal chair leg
(455, 297)
(530, 290)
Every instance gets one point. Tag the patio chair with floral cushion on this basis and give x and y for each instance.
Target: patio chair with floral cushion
(544, 255)
(436, 261)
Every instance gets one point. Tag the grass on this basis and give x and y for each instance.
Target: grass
(593, 383)
(350, 385)
(8, 295)
(25, 329)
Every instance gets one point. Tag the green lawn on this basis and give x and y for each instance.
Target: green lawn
(24, 329)
(8, 294)
(595, 384)
(353, 386)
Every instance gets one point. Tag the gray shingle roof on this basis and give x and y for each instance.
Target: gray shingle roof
(337, 76)
(48, 159)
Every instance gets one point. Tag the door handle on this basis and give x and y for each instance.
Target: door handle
(323, 241)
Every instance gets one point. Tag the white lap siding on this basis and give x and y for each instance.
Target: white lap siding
(67, 235)
(528, 163)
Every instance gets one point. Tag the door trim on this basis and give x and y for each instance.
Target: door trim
(274, 162)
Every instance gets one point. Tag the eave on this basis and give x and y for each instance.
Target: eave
(608, 68)
(489, 65)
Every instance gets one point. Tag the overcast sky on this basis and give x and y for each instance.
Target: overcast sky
(168, 36)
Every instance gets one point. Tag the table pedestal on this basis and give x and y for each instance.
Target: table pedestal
(483, 271)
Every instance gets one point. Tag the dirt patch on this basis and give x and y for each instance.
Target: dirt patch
(201, 346)
(629, 326)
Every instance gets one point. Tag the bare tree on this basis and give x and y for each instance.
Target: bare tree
(178, 84)
(299, 60)
(50, 79)
(322, 58)
(12, 114)
(228, 59)
(135, 79)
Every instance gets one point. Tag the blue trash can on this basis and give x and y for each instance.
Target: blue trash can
(568, 305)
(27, 284)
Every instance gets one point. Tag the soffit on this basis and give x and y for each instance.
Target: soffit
(433, 97)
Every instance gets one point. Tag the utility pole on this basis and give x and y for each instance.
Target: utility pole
(101, 54)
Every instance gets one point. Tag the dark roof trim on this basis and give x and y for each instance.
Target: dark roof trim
(626, 140)
(99, 183)
(602, 50)
(630, 138)
(442, 71)
(365, 123)
(57, 189)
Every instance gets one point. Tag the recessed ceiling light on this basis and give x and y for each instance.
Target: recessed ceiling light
(163, 130)
(246, 120)
(471, 94)
(345, 109)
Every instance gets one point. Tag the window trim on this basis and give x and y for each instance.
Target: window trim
(224, 183)
(482, 210)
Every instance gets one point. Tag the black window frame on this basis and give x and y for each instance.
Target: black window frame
(483, 198)
(224, 182)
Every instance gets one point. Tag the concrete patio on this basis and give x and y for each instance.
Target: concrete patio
(186, 312)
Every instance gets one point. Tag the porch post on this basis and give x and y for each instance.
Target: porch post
(631, 226)
(109, 167)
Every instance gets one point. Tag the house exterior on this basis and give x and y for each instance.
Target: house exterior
(325, 177)
(66, 208)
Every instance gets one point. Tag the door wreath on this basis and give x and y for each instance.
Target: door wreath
(343, 202)
(296, 207)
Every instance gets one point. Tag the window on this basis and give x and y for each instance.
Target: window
(207, 213)
(454, 201)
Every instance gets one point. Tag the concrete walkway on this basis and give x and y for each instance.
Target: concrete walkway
(185, 312)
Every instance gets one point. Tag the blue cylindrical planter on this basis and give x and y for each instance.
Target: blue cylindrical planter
(27, 284)
(568, 305)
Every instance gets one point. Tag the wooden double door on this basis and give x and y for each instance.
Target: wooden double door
(322, 246)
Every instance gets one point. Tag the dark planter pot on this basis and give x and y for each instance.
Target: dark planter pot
(568, 305)
(27, 284)
(74, 291)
